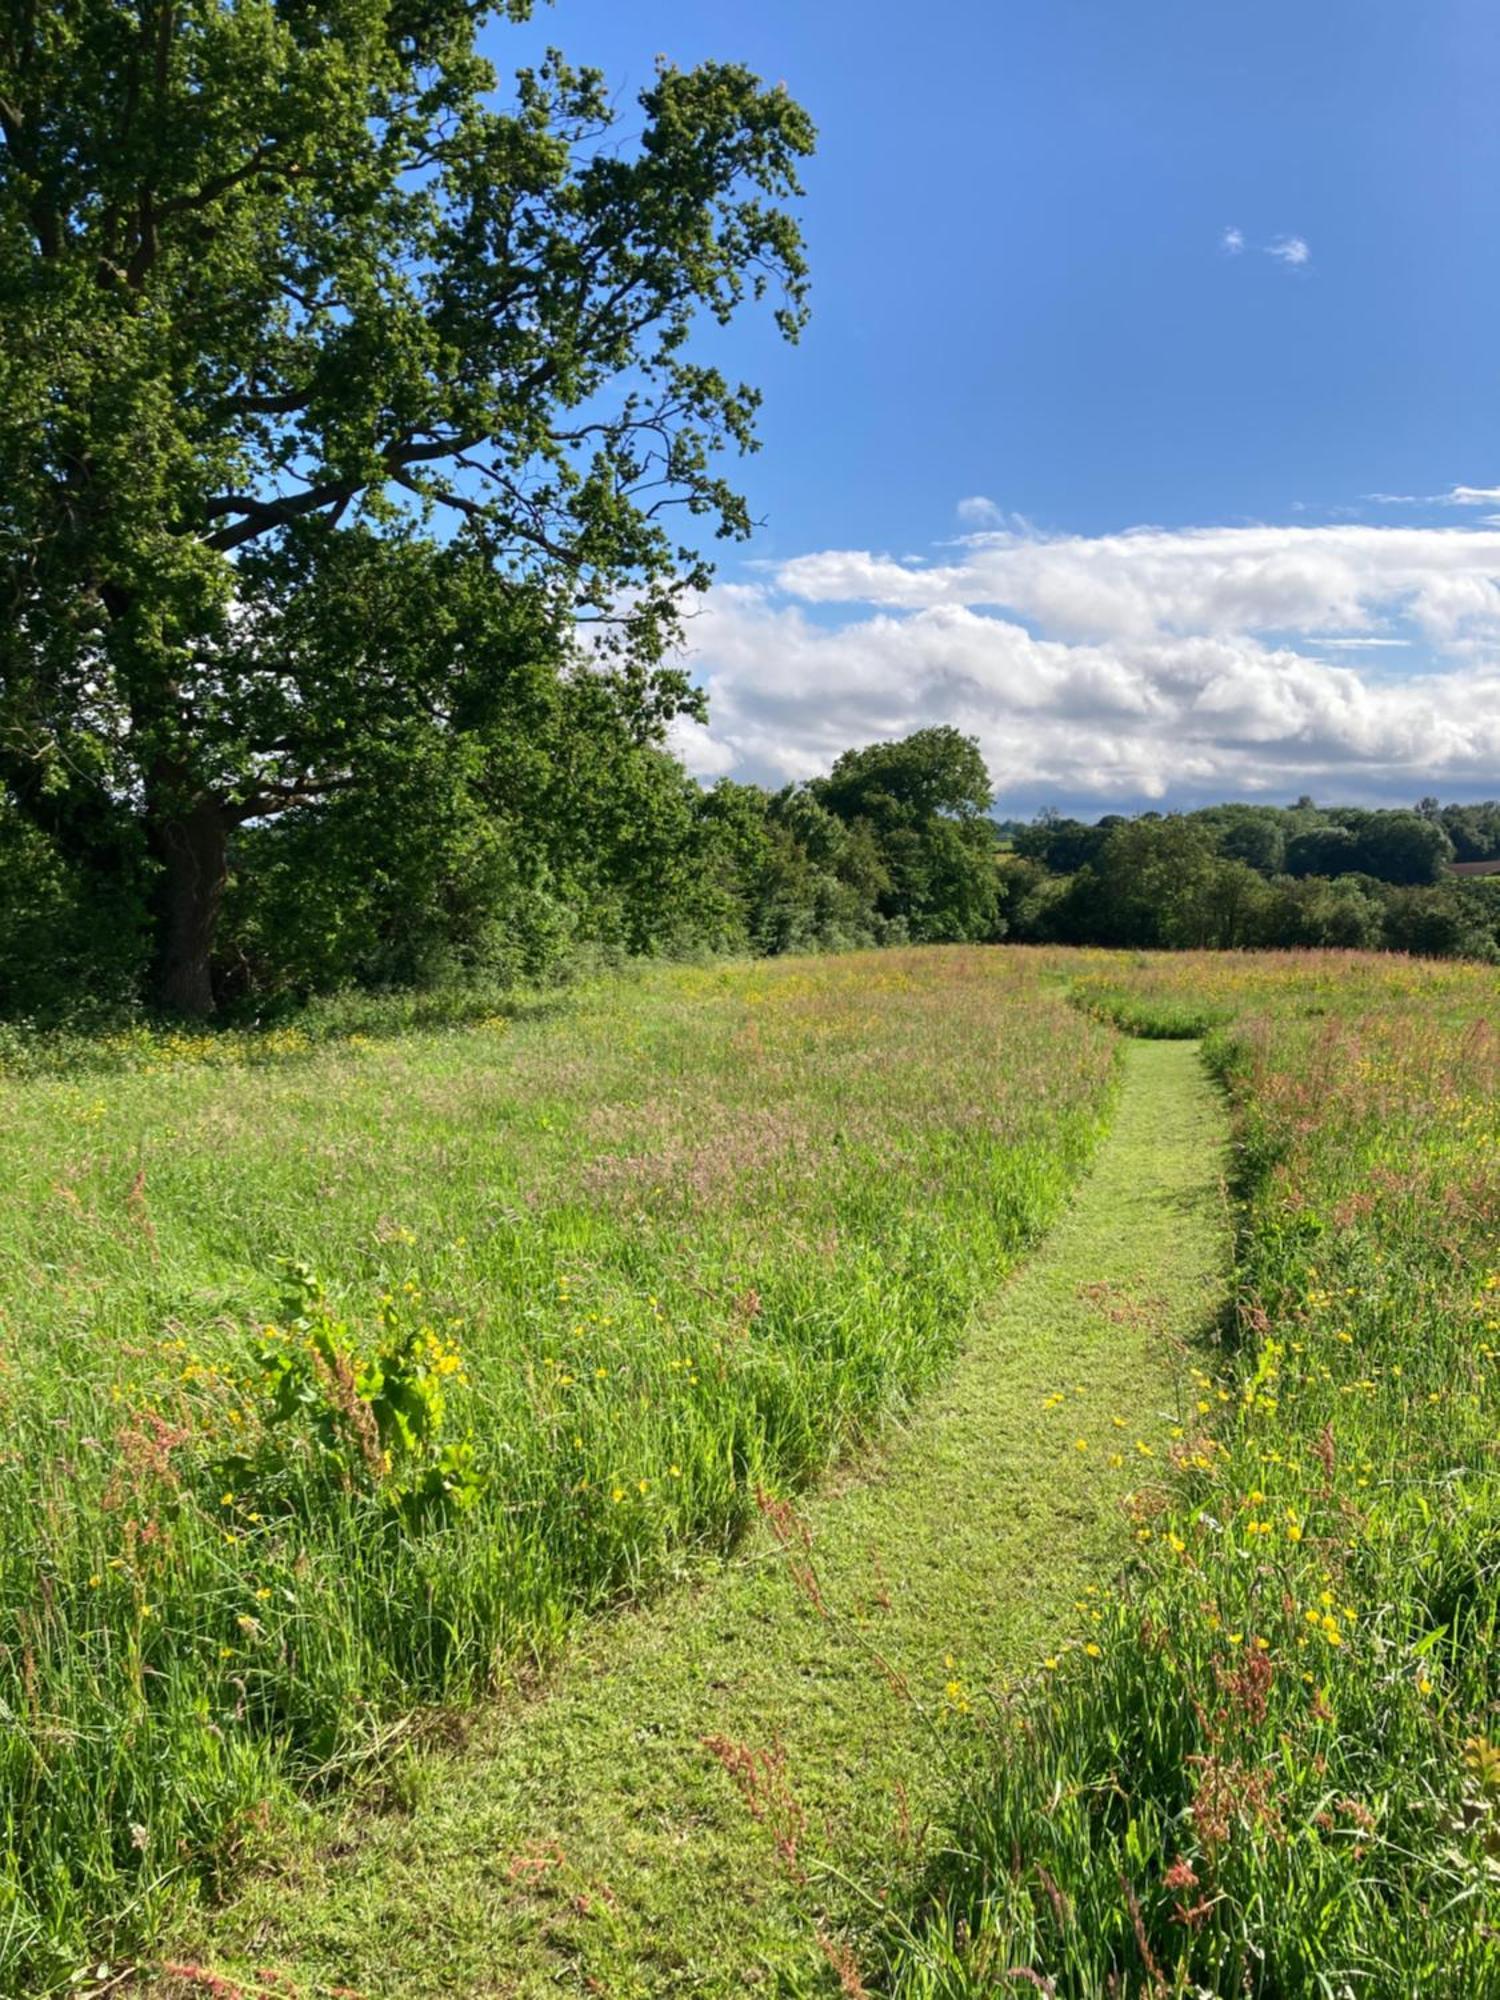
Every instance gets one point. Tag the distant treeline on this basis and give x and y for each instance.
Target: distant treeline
(581, 839)
(1236, 876)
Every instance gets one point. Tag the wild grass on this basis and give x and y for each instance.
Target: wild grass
(714, 1794)
(342, 1374)
(1272, 1765)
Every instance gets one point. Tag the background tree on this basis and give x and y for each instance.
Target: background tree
(1145, 886)
(484, 853)
(299, 319)
(1354, 879)
(1403, 847)
(1061, 845)
(1474, 830)
(1454, 920)
(923, 803)
(1254, 835)
(1324, 849)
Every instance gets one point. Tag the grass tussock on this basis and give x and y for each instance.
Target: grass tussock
(1270, 1763)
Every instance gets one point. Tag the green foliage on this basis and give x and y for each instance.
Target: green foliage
(921, 805)
(503, 857)
(1213, 880)
(1473, 829)
(1402, 847)
(552, 831)
(1322, 850)
(1462, 921)
(374, 1418)
(1397, 847)
(335, 388)
(72, 946)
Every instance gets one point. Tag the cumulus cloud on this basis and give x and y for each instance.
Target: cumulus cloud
(1108, 670)
(1329, 579)
(1233, 241)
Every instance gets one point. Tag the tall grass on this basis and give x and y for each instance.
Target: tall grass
(573, 1289)
(1268, 1763)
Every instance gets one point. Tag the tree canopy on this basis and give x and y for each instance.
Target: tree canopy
(1236, 876)
(922, 802)
(337, 392)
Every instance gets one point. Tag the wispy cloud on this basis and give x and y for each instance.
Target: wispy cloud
(1293, 251)
(978, 511)
(1361, 645)
(1455, 496)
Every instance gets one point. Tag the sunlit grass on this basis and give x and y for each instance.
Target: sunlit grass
(752, 1766)
(591, 1275)
(587, 1282)
(1277, 1773)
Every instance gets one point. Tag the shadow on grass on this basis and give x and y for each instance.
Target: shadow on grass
(149, 1043)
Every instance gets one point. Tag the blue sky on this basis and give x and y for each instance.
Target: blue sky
(1026, 297)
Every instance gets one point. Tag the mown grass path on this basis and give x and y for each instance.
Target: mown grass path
(594, 1842)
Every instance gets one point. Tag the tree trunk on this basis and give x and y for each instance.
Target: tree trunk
(193, 848)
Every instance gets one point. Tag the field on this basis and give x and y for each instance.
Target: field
(356, 1370)
(341, 1378)
(1281, 1773)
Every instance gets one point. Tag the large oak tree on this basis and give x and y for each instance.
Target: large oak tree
(303, 320)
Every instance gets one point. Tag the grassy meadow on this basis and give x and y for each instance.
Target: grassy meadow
(351, 1369)
(713, 1793)
(343, 1372)
(1270, 1763)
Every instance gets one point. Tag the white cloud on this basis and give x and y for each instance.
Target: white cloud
(1121, 668)
(1148, 581)
(1359, 645)
(1455, 496)
(1292, 250)
(978, 512)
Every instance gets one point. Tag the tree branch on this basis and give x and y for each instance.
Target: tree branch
(259, 516)
(264, 158)
(303, 791)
